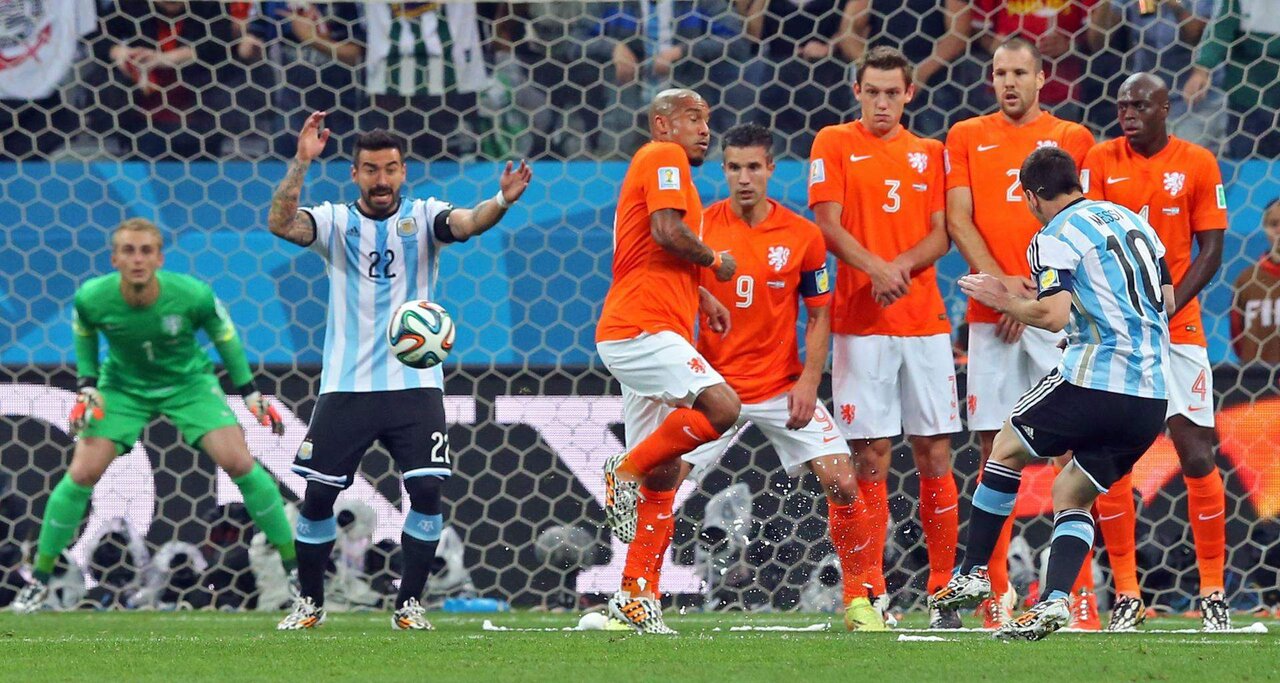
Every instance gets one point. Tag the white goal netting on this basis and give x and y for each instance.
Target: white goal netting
(185, 112)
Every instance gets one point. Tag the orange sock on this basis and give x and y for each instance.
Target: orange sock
(876, 525)
(848, 535)
(998, 567)
(684, 430)
(1084, 580)
(654, 529)
(1117, 518)
(940, 517)
(1206, 508)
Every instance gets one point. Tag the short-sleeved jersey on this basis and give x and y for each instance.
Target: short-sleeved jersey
(152, 352)
(985, 154)
(888, 191)
(1179, 191)
(1255, 314)
(653, 290)
(1108, 258)
(780, 261)
(374, 266)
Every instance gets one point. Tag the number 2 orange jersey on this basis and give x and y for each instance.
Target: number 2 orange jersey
(985, 154)
(653, 290)
(1179, 191)
(780, 261)
(888, 191)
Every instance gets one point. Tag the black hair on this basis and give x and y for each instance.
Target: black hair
(748, 135)
(1050, 173)
(375, 140)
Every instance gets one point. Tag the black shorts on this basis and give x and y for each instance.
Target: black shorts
(1106, 432)
(410, 424)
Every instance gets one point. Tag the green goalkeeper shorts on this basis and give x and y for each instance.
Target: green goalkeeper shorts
(196, 409)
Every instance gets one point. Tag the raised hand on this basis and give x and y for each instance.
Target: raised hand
(312, 138)
(514, 181)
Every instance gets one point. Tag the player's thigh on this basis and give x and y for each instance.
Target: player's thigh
(343, 426)
(90, 459)
(930, 406)
(796, 448)
(662, 366)
(1190, 381)
(994, 384)
(1127, 426)
(199, 409)
(124, 416)
(865, 385)
(416, 434)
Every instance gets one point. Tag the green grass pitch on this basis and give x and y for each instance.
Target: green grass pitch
(208, 646)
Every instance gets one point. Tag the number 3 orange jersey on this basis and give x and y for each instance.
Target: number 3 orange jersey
(653, 290)
(1179, 191)
(888, 190)
(780, 261)
(985, 154)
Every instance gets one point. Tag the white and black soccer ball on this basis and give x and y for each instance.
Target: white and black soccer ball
(420, 334)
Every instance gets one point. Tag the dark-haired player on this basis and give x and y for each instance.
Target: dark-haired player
(381, 251)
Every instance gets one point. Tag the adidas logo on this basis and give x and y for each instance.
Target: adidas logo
(1031, 433)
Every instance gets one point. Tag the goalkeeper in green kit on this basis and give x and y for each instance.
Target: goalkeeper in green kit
(154, 366)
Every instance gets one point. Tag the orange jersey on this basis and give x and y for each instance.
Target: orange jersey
(985, 154)
(779, 261)
(1179, 191)
(888, 191)
(653, 290)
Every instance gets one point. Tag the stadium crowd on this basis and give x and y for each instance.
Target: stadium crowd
(185, 80)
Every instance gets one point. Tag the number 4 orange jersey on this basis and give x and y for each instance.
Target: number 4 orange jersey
(780, 261)
(1179, 191)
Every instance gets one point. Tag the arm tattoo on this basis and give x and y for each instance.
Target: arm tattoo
(678, 239)
(283, 218)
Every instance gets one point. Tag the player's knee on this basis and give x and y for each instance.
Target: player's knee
(1072, 489)
(666, 476)
(84, 476)
(843, 489)
(932, 456)
(317, 502)
(1194, 445)
(721, 406)
(424, 494)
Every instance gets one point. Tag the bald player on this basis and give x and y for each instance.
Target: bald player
(1177, 187)
(992, 227)
(673, 399)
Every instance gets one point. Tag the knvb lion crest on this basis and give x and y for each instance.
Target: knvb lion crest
(1173, 182)
(918, 160)
(171, 324)
(778, 257)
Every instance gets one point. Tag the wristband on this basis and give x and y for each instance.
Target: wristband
(247, 389)
(501, 201)
(86, 382)
(716, 260)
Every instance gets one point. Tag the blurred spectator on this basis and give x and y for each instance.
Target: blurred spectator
(1059, 30)
(805, 52)
(1255, 307)
(160, 91)
(424, 67)
(1161, 42)
(38, 44)
(318, 47)
(1245, 35)
(934, 35)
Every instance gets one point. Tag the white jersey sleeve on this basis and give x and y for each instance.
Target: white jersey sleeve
(1050, 256)
(324, 217)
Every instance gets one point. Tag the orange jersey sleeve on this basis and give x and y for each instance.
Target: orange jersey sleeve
(652, 289)
(759, 357)
(888, 191)
(1092, 169)
(826, 170)
(1209, 196)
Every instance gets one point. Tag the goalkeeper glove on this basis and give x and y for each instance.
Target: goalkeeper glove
(262, 410)
(89, 407)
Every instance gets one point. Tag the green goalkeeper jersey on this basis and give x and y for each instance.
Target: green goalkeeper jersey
(153, 352)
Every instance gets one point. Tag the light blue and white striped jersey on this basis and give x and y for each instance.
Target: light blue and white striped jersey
(1108, 257)
(374, 266)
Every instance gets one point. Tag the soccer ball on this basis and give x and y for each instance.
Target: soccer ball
(420, 334)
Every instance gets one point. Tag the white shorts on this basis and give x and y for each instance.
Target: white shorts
(657, 372)
(883, 386)
(795, 447)
(1000, 373)
(1190, 381)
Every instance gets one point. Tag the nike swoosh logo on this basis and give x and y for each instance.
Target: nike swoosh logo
(864, 544)
(666, 516)
(986, 148)
(1111, 180)
(938, 511)
(690, 433)
(1103, 518)
(829, 439)
(1216, 514)
(855, 157)
(1191, 409)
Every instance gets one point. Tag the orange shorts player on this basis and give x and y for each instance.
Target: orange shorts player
(645, 333)
(878, 193)
(1177, 187)
(990, 224)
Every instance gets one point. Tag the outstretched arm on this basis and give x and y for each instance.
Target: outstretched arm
(284, 219)
(467, 223)
(668, 229)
